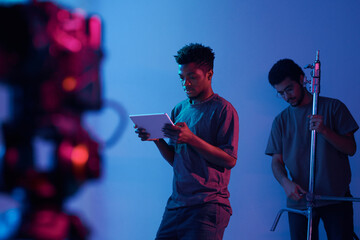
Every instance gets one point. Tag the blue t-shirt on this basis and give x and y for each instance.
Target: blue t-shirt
(291, 137)
(197, 181)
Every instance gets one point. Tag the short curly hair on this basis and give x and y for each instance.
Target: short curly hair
(285, 68)
(196, 53)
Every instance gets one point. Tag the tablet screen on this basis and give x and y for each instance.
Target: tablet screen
(152, 123)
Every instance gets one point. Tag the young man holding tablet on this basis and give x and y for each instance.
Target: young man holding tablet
(202, 150)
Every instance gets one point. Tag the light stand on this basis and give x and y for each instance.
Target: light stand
(310, 196)
(315, 90)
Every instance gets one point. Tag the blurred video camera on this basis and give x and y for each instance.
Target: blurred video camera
(50, 61)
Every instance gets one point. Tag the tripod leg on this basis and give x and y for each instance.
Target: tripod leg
(302, 212)
(310, 224)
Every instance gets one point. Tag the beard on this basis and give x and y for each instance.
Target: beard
(301, 98)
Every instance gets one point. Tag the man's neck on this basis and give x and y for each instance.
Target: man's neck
(307, 99)
(200, 100)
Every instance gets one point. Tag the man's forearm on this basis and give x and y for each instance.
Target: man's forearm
(212, 153)
(279, 172)
(166, 151)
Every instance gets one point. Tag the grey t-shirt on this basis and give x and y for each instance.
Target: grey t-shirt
(196, 180)
(291, 137)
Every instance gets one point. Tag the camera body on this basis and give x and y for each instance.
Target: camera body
(50, 60)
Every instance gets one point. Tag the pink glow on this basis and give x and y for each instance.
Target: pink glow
(65, 150)
(95, 32)
(12, 156)
(79, 155)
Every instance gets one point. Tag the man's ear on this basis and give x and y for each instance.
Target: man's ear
(302, 80)
(210, 74)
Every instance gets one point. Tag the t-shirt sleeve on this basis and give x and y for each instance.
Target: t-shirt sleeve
(172, 117)
(344, 123)
(228, 131)
(274, 144)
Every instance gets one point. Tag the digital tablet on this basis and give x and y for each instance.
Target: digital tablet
(152, 123)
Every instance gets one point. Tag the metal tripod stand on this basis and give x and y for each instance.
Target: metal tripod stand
(310, 196)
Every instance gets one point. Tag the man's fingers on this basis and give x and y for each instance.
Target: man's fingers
(180, 124)
(173, 130)
(295, 196)
(300, 192)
